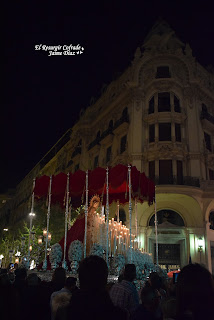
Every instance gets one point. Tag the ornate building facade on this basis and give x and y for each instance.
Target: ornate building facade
(158, 116)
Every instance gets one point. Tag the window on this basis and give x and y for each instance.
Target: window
(76, 167)
(96, 161)
(164, 131)
(207, 139)
(110, 125)
(179, 172)
(178, 132)
(151, 105)
(204, 108)
(152, 170)
(123, 144)
(163, 72)
(98, 134)
(164, 102)
(152, 133)
(165, 172)
(167, 215)
(211, 174)
(177, 107)
(108, 155)
(125, 112)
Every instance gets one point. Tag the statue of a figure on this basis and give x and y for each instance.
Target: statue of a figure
(92, 223)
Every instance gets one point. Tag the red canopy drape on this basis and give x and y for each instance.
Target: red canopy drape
(142, 187)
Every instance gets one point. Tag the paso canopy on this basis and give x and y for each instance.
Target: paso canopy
(141, 187)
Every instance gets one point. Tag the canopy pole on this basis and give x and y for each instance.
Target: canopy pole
(107, 213)
(48, 219)
(136, 226)
(130, 212)
(156, 229)
(64, 264)
(32, 214)
(86, 212)
(118, 211)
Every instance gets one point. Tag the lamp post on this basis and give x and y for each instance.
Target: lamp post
(31, 215)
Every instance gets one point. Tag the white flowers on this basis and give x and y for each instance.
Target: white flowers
(97, 250)
(75, 251)
(55, 255)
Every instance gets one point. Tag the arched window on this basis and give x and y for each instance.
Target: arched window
(167, 215)
(211, 220)
(152, 105)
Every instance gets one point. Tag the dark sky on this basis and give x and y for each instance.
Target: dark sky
(42, 96)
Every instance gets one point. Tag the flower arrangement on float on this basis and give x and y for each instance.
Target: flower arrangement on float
(55, 255)
(75, 253)
(119, 262)
(97, 250)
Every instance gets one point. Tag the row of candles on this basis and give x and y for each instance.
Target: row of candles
(118, 236)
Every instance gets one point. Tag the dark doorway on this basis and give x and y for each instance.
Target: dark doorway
(168, 255)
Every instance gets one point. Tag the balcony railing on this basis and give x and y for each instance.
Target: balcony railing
(76, 151)
(183, 181)
(124, 118)
(206, 115)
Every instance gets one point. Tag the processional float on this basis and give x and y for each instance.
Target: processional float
(112, 184)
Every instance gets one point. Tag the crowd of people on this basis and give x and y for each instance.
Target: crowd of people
(26, 296)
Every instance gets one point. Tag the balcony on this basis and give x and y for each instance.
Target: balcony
(94, 143)
(182, 181)
(76, 151)
(124, 118)
(207, 120)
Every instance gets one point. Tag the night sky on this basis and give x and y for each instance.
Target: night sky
(43, 95)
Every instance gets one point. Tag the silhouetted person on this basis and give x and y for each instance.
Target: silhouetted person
(92, 301)
(62, 297)
(7, 298)
(58, 279)
(195, 293)
(150, 299)
(124, 294)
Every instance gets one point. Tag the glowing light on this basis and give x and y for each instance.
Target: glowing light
(31, 214)
(18, 253)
